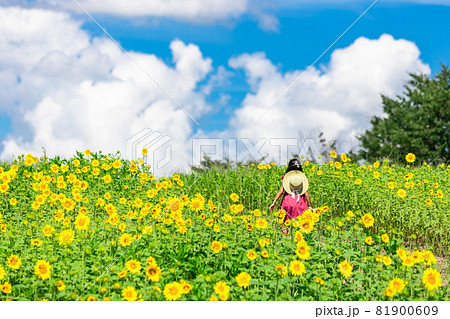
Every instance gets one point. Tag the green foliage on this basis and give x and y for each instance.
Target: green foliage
(418, 122)
(199, 228)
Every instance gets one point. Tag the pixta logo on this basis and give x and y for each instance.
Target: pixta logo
(157, 145)
(278, 150)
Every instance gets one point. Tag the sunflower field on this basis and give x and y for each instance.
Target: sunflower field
(98, 227)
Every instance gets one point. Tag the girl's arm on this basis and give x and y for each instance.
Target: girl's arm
(277, 197)
(308, 200)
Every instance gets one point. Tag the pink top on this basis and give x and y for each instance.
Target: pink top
(293, 205)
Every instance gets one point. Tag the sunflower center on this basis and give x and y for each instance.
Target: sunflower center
(43, 269)
(173, 291)
(431, 279)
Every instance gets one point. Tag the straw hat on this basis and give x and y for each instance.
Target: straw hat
(295, 183)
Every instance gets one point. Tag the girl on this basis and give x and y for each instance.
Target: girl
(294, 189)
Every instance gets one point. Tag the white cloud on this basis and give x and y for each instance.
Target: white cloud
(196, 11)
(66, 91)
(339, 100)
(202, 11)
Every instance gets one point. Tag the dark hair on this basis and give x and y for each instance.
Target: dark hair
(294, 165)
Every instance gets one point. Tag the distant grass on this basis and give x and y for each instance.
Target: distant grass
(414, 220)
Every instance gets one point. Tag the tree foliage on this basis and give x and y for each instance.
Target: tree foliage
(417, 122)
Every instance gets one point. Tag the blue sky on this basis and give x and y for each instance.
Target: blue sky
(304, 33)
(242, 53)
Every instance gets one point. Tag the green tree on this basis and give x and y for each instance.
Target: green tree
(417, 122)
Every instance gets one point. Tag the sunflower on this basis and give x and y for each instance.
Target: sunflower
(129, 294)
(173, 291)
(187, 287)
(303, 251)
(2, 273)
(306, 225)
(227, 218)
(298, 237)
(369, 240)
(262, 242)
(153, 272)
(408, 261)
(42, 269)
(410, 158)
(368, 220)
(345, 268)
(151, 261)
(61, 286)
(147, 230)
(48, 230)
(209, 222)
(401, 193)
(417, 257)
(222, 289)
(82, 222)
(397, 284)
(125, 240)
(6, 288)
(257, 213)
(387, 260)
(14, 262)
(390, 292)
(251, 254)
(261, 223)
(36, 242)
(113, 219)
(431, 279)
(401, 252)
(196, 204)
(59, 216)
(133, 266)
(265, 254)
(216, 246)
(122, 273)
(66, 237)
(234, 197)
(297, 268)
(428, 257)
(243, 279)
(183, 230)
(385, 238)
